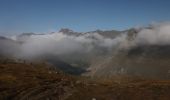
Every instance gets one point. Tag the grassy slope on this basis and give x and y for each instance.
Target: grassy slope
(19, 81)
(143, 90)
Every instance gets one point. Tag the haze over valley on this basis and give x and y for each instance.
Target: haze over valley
(135, 51)
(84, 50)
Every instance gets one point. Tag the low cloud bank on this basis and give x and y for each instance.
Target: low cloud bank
(58, 43)
(156, 34)
(93, 48)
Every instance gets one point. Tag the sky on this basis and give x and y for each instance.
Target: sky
(41, 16)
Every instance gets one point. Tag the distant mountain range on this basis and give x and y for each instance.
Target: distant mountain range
(66, 31)
(96, 53)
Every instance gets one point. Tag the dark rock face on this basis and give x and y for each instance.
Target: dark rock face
(69, 32)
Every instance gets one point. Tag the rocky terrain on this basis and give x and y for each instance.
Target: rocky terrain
(20, 80)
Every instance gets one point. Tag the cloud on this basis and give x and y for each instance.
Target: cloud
(59, 43)
(92, 49)
(156, 34)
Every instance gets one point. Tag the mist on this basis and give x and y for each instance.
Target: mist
(155, 34)
(62, 44)
(94, 51)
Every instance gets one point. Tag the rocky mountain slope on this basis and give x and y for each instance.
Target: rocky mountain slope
(20, 80)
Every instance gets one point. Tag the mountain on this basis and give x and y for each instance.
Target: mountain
(25, 36)
(105, 34)
(95, 54)
(143, 60)
(69, 32)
